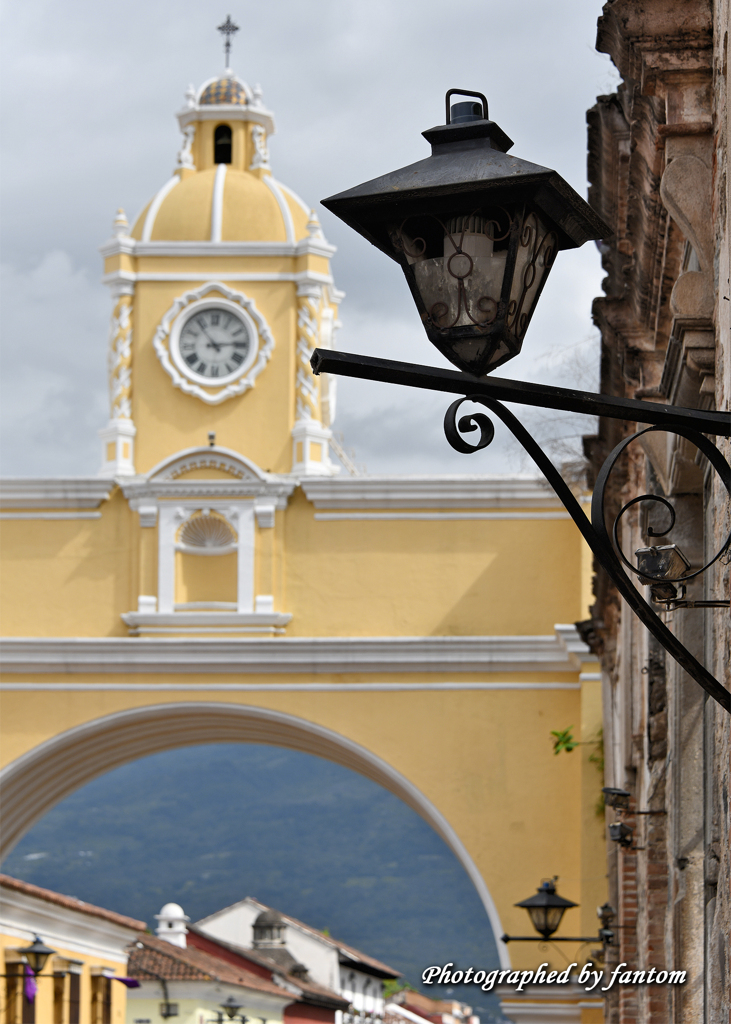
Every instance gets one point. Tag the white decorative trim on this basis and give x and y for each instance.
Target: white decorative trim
(335, 517)
(50, 515)
(119, 432)
(431, 492)
(284, 209)
(305, 434)
(423, 687)
(219, 183)
(264, 512)
(315, 655)
(185, 155)
(248, 481)
(155, 206)
(225, 459)
(147, 514)
(175, 622)
(300, 202)
(228, 112)
(113, 279)
(569, 637)
(245, 578)
(261, 153)
(48, 492)
(245, 306)
(213, 302)
(168, 247)
(115, 246)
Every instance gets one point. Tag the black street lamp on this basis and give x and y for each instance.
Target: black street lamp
(230, 1007)
(547, 908)
(475, 232)
(36, 954)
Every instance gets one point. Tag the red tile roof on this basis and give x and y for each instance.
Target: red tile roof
(151, 958)
(71, 903)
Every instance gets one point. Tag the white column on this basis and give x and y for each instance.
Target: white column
(168, 522)
(245, 598)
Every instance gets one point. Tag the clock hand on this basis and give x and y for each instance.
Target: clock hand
(211, 342)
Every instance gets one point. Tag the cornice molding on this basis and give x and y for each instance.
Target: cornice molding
(26, 916)
(131, 247)
(430, 492)
(562, 652)
(54, 493)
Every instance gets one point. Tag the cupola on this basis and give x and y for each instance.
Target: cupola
(171, 925)
(269, 930)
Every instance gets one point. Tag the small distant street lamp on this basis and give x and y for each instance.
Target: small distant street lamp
(547, 908)
(35, 957)
(621, 833)
(617, 798)
(476, 232)
(230, 1007)
(37, 954)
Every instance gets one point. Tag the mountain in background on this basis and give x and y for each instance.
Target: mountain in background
(206, 826)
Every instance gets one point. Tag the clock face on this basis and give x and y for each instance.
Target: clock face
(214, 343)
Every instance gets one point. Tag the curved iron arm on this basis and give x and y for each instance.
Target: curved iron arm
(491, 392)
(595, 532)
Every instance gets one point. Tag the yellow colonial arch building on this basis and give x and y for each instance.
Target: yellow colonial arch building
(222, 580)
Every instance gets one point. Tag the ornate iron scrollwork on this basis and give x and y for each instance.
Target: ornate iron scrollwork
(607, 551)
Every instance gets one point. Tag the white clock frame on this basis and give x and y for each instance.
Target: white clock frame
(215, 294)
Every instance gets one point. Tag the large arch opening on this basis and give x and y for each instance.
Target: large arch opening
(38, 780)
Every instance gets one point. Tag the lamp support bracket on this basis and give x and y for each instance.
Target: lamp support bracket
(491, 392)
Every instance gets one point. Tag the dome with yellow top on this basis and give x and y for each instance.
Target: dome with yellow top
(222, 189)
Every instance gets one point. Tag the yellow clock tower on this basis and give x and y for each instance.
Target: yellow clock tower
(221, 289)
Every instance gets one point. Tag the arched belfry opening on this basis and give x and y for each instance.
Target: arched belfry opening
(222, 145)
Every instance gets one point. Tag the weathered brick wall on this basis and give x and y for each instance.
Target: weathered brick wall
(658, 162)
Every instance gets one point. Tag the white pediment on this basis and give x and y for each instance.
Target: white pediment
(222, 461)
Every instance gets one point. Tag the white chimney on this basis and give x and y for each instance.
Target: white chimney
(171, 925)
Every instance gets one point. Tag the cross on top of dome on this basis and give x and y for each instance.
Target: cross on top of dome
(228, 29)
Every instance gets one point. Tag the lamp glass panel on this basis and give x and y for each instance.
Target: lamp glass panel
(458, 264)
(475, 276)
(535, 254)
(546, 919)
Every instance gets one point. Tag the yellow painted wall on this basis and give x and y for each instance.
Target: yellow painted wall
(69, 577)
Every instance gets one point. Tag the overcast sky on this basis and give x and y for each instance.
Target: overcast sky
(89, 96)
